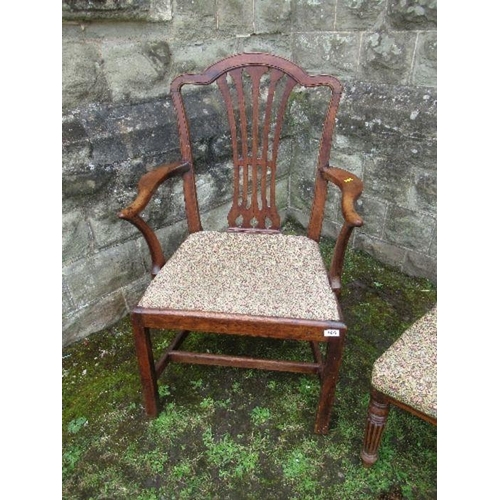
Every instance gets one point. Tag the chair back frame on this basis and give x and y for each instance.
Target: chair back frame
(254, 151)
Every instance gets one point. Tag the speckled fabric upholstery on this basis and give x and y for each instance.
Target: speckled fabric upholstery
(255, 274)
(407, 371)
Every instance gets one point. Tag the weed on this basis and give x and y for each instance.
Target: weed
(260, 415)
(70, 458)
(230, 458)
(224, 404)
(301, 470)
(236, 387)
(207, 403)
(164, 390)
(75, 425)
(271, 385)
(197, 384)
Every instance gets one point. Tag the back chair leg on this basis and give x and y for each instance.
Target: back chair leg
(378, 411)
(329, 377)
(146, 366)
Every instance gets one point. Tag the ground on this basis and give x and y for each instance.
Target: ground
(227, 433)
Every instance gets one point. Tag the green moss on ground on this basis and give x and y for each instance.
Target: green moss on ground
(226, 433)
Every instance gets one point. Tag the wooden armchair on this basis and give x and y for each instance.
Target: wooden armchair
(252, 279)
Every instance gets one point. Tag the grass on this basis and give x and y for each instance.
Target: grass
(226, 433)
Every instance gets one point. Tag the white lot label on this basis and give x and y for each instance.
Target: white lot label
(331, 333)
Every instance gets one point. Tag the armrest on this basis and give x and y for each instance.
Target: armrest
(147, 186)
(351, 187)
(149, 183)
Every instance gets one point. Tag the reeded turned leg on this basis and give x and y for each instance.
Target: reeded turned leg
(328, 385)
(146, 366)
(378, 411)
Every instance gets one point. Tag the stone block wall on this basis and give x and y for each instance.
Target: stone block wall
(119, 57)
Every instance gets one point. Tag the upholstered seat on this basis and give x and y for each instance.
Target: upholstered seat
(240, 273)
(407, 371)
(406, 376)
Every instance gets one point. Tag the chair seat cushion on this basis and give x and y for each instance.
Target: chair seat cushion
(407, 371)
(242, 273)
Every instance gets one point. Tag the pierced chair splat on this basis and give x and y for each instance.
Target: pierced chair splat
(251, 279)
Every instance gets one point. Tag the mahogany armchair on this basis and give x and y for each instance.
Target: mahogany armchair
(251, 279)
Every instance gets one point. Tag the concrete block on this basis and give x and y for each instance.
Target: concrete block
(235, 17)
(196, 56)
(282, 195)
(302, 192)
(96, 276)
(278, 44)
(93, 317)
(136, 70)
(373, 213)
(381, 250)
(76, 236)
(409, 229)
(418, 264)
(73, 131)
(117, 10)
(388, 180)
(412, 14)
(374, 111)
(423, 192)
(386, 57)
(76, 149)
(331, 53)
(216, 187)
(352, 162)
(419, 153)
(133, 292)
(121, 132)
(120, 32)
(273, 17)
(216, 219)
(107, 227)
(433, 248)
(285, 157)
(67, 303)
(425, 70)
(87, 182)
(309, 15)
(307, 108)
(194, 20)
(83, 78)
(363, 15)
(105, 5)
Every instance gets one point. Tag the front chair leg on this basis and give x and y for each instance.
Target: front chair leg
(329, 377)
(146, 366)
(378, 411)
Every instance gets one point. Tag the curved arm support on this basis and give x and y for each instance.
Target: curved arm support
(157, 257)
(351, 187)
(148, 184)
